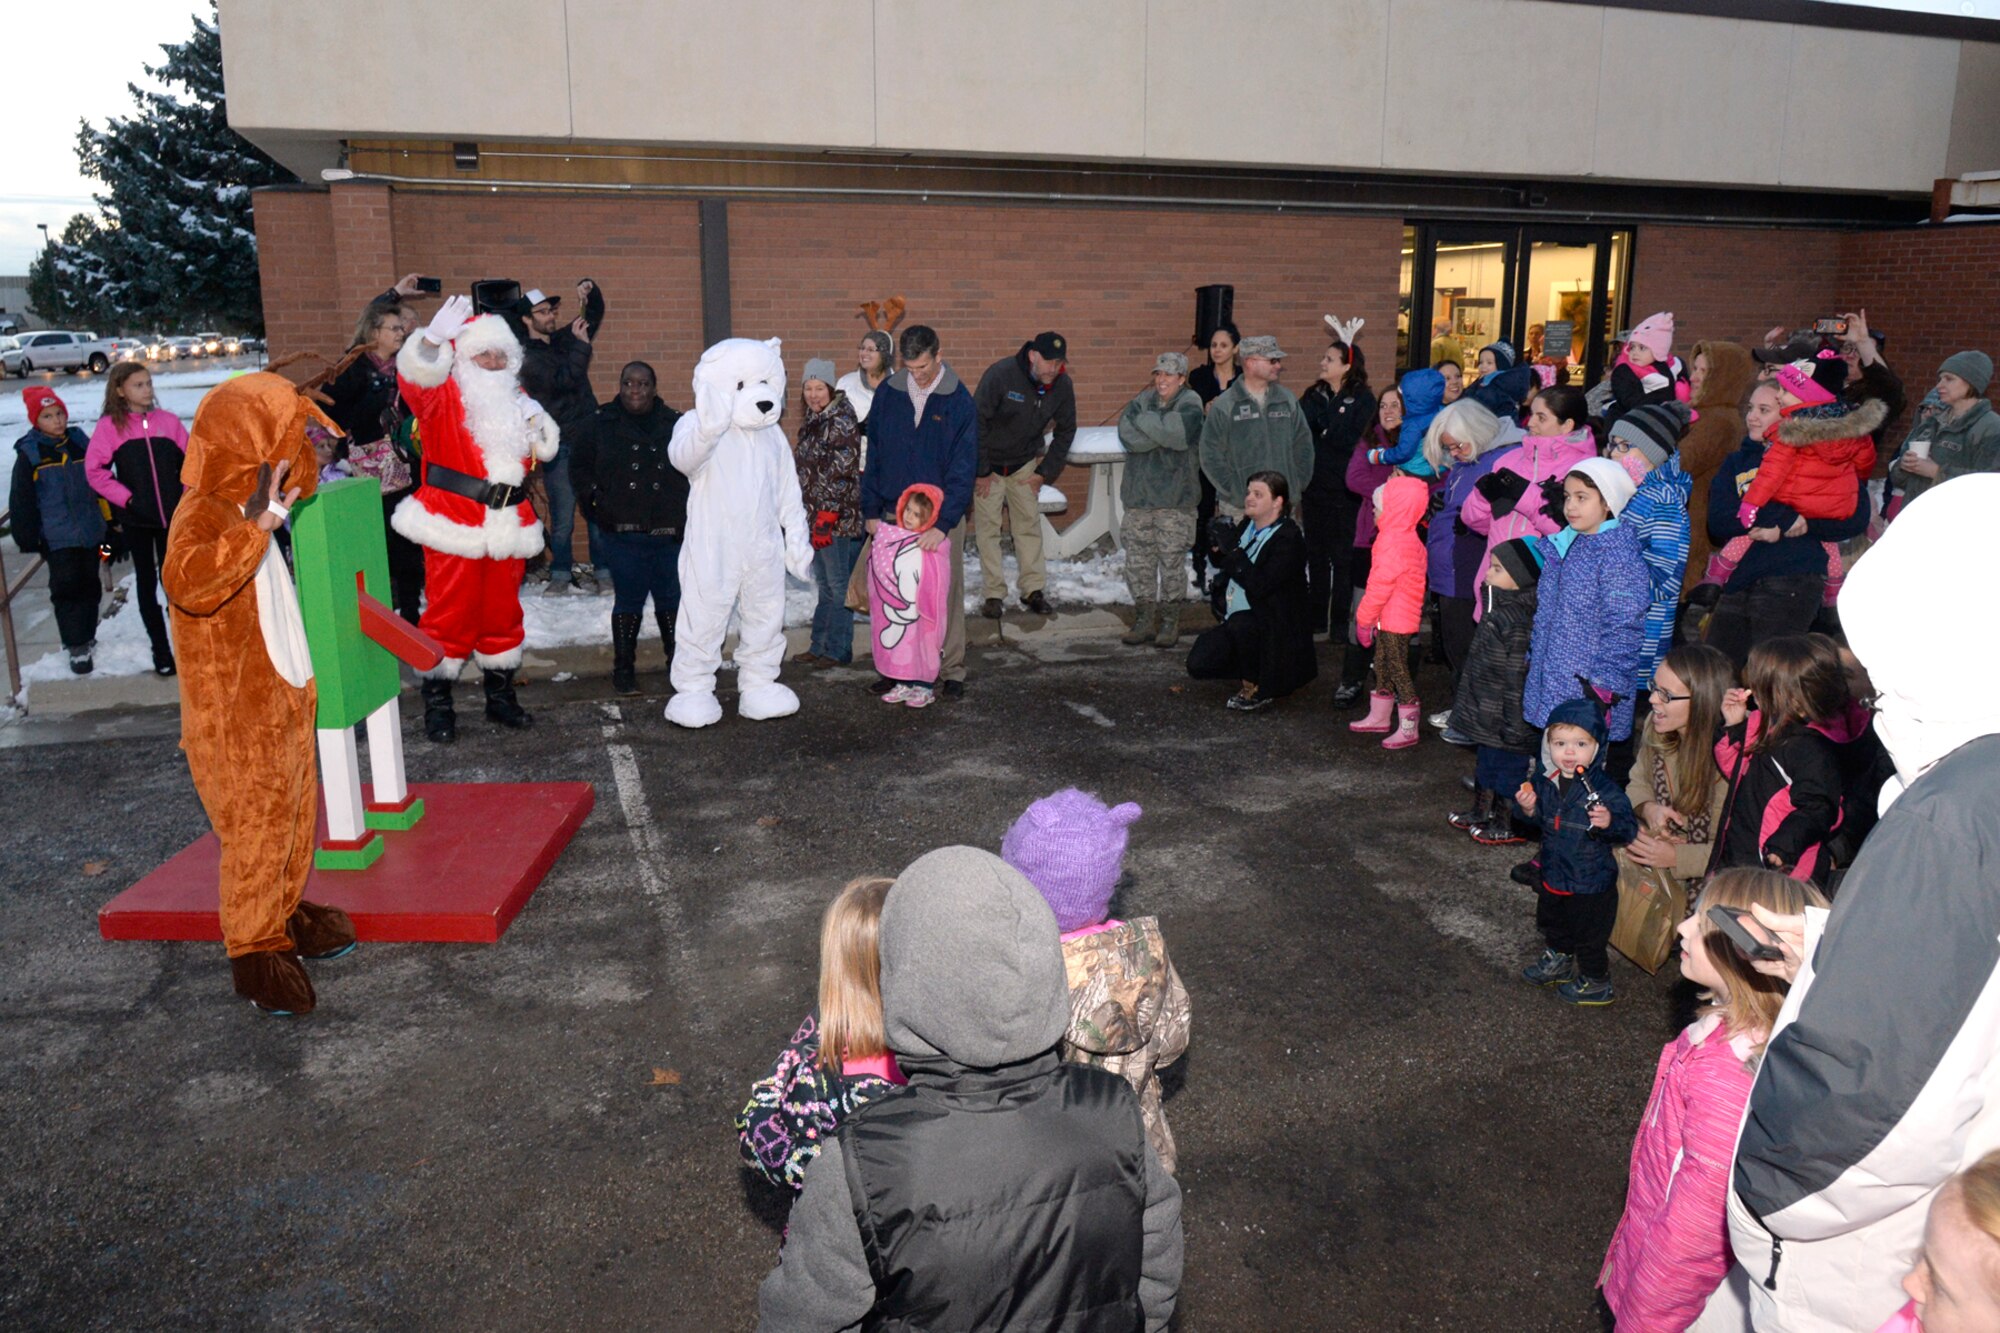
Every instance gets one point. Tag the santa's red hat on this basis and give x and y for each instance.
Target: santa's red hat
(488, 333)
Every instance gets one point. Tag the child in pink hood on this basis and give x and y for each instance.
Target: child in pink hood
(1393, 605)
(1670, 1253)
(907, 590)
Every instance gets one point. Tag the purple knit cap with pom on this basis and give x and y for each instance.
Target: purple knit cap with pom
(1071, 846)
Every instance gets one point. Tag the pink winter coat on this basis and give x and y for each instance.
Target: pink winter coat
(1671, 1249)
(1538, 458)
(907, 591)
(1395, 597)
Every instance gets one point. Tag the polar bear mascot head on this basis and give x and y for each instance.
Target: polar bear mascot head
(739, 382)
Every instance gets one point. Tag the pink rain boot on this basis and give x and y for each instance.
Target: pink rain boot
(1380, 709)
(1406, 728)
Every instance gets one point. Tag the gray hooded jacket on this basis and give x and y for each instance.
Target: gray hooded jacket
(973, 975)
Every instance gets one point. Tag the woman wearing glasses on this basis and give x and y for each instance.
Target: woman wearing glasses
(1676, 788)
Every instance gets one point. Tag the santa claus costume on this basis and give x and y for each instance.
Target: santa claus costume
(478, 433)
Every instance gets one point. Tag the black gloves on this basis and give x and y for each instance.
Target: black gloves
(1552, 502)
(1502, 489)
(1222, 533)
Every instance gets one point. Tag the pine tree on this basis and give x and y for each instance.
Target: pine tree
(176, 245)
(66, 279)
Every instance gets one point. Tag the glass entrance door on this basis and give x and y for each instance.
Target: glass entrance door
(1557, 293)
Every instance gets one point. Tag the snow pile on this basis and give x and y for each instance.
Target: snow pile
(573, 619)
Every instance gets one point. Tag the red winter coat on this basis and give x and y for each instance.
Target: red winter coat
(444, 520)
(1395, 597)
(1813, 461)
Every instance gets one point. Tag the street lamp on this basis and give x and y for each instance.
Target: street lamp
(45, 234)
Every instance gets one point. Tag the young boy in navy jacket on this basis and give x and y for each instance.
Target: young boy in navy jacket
(1584, 816)
(57, 516)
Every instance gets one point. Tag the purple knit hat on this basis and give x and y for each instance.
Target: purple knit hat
(1072, 848)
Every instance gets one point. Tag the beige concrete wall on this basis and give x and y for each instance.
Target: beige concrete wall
(1493, 87)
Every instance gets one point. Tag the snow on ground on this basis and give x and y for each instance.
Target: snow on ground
(554, 622)
(178, 391)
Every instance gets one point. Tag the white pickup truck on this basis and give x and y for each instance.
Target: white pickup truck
(53, 349)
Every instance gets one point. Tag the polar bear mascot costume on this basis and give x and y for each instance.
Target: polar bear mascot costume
(746, 525)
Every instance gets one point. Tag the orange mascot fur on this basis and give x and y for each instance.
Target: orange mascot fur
(247, 696)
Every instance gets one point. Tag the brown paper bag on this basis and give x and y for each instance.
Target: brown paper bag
(857, 582)
(1651, 904)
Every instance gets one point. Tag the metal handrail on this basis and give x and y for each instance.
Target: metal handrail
(9, 590)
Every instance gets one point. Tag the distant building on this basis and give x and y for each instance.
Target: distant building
(1536, 171)
(14, 311)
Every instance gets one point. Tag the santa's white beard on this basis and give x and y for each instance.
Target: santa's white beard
(493, 415)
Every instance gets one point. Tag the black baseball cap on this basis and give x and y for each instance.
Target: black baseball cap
(1050, 345)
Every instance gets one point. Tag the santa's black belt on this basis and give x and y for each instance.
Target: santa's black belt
(489, 493)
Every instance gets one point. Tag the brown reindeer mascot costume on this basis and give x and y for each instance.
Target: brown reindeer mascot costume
(247, 697)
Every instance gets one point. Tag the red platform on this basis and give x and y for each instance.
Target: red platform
(461, 875)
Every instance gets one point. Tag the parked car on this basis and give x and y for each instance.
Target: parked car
(183, 348)
(10, 356)
(54, 349)
(126, 349)
(211, 343)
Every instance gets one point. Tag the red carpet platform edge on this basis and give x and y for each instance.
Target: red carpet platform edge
(460, 876)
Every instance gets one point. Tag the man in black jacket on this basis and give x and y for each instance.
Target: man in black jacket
(635, 501)
(555, 371)
(1019, 400)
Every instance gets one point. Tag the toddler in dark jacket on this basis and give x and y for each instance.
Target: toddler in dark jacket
(1487, 710)
(1584, 817)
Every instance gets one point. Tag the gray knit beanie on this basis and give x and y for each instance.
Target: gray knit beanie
(821, 369)
(1975, 368)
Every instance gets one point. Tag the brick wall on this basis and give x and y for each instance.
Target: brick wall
(295, 267)
(1733, 283)
(1117, 283)
(1932, 290)
(646, 253)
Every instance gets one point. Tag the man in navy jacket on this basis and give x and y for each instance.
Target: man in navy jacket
(923, 427)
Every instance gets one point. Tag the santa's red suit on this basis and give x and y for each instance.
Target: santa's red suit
(469, 513)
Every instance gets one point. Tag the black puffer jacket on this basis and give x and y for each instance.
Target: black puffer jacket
(1487, 708)
(622, 476)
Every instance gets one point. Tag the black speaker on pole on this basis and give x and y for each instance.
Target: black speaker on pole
(1214, 306)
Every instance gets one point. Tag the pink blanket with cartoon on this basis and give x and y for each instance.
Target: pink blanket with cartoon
(907, 589)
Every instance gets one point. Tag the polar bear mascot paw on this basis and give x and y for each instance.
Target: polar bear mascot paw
(692, 710)
(761, 703)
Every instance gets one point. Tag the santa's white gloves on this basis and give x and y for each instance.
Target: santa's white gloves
(449, 319)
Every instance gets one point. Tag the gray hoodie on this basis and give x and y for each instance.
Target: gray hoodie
(972, 974)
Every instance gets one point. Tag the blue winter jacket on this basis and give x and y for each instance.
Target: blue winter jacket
(1455, 550)
(54, 508)
(941, 451)
(1423, 396)
(1575, 857)
(1657, 518)
(1590, 620)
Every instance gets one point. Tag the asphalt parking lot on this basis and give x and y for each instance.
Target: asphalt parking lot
(1380, 1126)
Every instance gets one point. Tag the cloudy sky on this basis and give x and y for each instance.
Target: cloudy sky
(69, 63)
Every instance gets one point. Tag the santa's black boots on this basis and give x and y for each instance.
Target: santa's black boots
(625, 651)
(440, 722)
(501, 706)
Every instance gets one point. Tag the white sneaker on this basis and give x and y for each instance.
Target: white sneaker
(900, 695)
(1441, 720)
